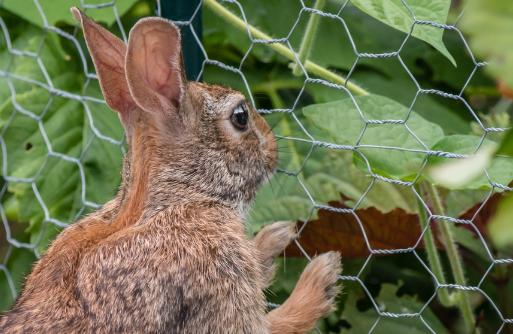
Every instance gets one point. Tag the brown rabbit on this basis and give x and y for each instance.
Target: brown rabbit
(168, 254)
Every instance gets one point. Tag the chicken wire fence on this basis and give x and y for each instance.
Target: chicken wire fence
(85, 100)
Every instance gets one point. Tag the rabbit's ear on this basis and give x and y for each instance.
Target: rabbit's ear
(108, 53)
(154, 68)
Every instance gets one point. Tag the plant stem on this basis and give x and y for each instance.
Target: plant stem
(434, 258)
(276, 84)
(281, 49)
(308, 38)
(285, 127)
(454, 258)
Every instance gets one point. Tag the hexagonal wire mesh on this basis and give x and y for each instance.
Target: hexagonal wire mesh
(85, 100)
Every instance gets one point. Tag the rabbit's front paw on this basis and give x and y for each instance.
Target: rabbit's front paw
(312, 298)
(270, 242)
(273, 239)
(318, 282)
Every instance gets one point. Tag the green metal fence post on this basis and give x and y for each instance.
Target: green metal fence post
(182, 10)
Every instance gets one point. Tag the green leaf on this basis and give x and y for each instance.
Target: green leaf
(19, 265)
(468, 239)
(458, 202)
(342, 121)
(52, 56)
(506, 146)
(500, 227)
(395, 14)
(285, 199)
(388, 301)
(338, 175)
(275, 201)
(384, 76)
(489, 25)
(60, 183)
(59, 10)
(68, 132)
(400, 88)
(500, 171)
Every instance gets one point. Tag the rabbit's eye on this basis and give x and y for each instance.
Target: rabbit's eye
(240, 117)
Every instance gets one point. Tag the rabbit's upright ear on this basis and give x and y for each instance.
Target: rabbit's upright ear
(108, 53)
(154, 68)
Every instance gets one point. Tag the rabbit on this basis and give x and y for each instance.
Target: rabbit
(169, 253)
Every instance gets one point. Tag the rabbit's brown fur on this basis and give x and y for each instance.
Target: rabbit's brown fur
(169, 254)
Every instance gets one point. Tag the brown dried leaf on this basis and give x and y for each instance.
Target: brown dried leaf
(338, 231)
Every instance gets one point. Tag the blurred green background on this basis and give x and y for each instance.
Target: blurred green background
(438, 59)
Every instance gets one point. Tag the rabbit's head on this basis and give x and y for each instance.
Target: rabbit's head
(187, 139)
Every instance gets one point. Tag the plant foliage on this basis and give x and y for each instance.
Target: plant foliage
(399, 149)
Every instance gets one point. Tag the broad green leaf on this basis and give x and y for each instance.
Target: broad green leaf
(389, 301)
(285, 199)
(52, 56)
(385, 76)
(273, 204)
(395, 14)
(489, 25)
(500, 170)
(343, 122)
(400, 88)
(59, 183)
(68, 132)
(59, 10)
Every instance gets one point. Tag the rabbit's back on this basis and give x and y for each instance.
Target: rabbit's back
(48, 302)
(175, 274)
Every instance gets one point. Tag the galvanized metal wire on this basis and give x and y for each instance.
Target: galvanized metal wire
(37, 116)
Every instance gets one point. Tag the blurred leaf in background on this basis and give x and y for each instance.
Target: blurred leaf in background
(501, 226)
(59, 11)
(489, 25)
(499, 170)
